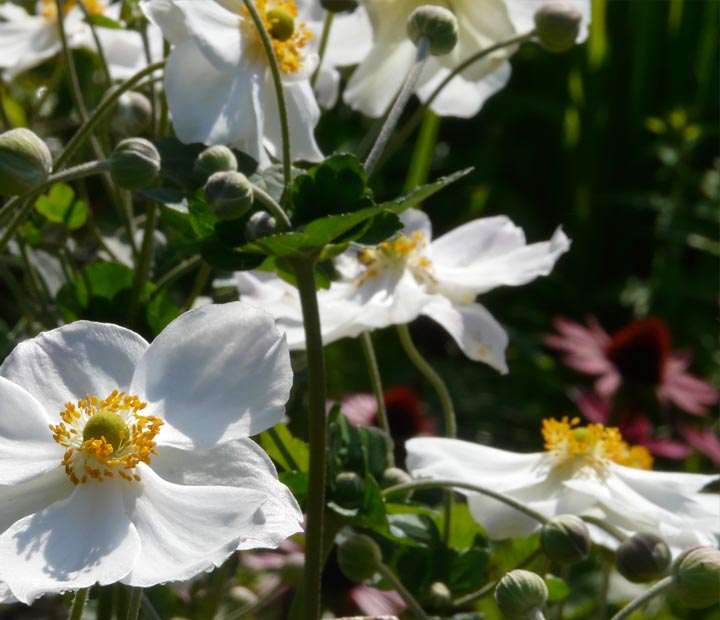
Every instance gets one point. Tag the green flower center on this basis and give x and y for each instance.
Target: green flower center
(108, 426)
(282, 23)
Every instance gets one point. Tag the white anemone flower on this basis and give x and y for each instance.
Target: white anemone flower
(481, 23)
(217, 78)
(127, 461)
(584, 471)
(412, 275)
(27, 41)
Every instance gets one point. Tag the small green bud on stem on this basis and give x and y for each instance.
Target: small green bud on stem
(214, 159)
(520, 595)
(25, 162)
(696, 577)
(260, 224)
(229, 194)
(135, 163)
(557, 25)
(643, 557)
(565, 539)
(359, 557)
(436, 23)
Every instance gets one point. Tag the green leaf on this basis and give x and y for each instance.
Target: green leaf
(104, 22)
(422, 193)
(558, 589)
(202, 219)
(289, 452)
(272, 179)
(60, 207)
(160, 311)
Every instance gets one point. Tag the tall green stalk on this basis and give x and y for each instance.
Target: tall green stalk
(78, 605)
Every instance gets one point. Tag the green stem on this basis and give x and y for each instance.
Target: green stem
(396, 111)
(659, 587)
(98, 45)
(75, 90)
(376, 381)
(607, 566)
(292, 463)
(404, 593)
(149, 609)
(198, 286)
(317, 431)
(424, 150)
(177, 272)
(142, 267)
(135, 602)
(279, 92)
(432, 377)
(457, 484)
(607, 527)
(273, 207)
(78, 605)
(324, 38)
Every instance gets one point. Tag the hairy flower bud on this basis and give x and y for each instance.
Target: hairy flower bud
(25, 162)
(565, 539)
(260, 224)
(359, 557)
(557, 25)
(393, 476)
(338, 6)
(133, 114)
(349, 489)
(520, 595)
(214, 159)
(697, 577)
(436, 23)
(229, 194)
(134, 163)
(643, 557)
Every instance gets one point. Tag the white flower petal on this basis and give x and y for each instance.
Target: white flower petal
(350, 38)
(168, 17)
(74, 543)
(416, 221)
(327, 87)
(6, 596)
(242, 464)
(214, 374)
(185, 530)
(65, 364)
(473, 328)
(26, 42)
(27, 448)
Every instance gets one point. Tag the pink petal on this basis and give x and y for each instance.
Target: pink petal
(703, 440)
(376, 602)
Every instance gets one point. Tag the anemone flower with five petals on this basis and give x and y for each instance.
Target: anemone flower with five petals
(412, 275)
(128, 461)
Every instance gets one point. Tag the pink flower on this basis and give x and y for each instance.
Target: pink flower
(637, 356)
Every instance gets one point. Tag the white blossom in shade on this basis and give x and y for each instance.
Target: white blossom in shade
(412, 275)
(584, 471)
(127, 461)
(28, 40)
(482, 23)
(218, 82)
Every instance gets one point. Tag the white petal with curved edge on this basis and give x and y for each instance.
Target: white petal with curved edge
(242, 464)
(6, 596)
(27, 448)
(416, 221)
(26, 43)
(64, 364)
(473, 328)
(74, 543)
(350, 38)
(185, 530)
(214, 374)
(168, 17)
(327, 87)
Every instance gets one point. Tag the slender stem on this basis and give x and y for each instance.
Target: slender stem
(135, 602)
(424, 149)
(253, 608)
(178, 271)
(198, 286)
(279, 92)
(659, 587)
(603, 525)
(432, 377)
(376, 381)
(98, 44)
(396, 111)
(404, 593)
(142, 267)
(154, 102)
(273, 207)
(164, 126)
(317, 431)
(75, 90)
(457, 484)
(78, 605)
(607, 566)
(292, 463)
(149, 608)
(324, 38)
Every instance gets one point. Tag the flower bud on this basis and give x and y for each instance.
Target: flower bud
(135, 163)
(338, 6)
(696, 575)
(565, 539)
(349, 489)
(642, 558)
(437, 24)
(557, 25)
(229, 194)
(261, 224)
(393, 476)
(25, 162)
(214, 159)
(520, 595)
(359, 557)
(133, 114)
(439, 596)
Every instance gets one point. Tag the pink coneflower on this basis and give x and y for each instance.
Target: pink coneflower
(638, 355)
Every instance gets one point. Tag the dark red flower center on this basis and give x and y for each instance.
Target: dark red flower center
(640, 351)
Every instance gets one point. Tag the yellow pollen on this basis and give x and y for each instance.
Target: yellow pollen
(106, 437)
(402, 250)
(594, 442)
(48, 8)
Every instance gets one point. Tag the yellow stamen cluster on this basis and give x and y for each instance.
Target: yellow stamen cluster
(89, 457)
(48, 8)
(595, 443)
(288, 49)
(402, 250)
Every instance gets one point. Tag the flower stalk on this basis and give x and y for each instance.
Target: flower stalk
(375, 380)
(135, 603)
(637, 603)
(78, 605)
(405, 594)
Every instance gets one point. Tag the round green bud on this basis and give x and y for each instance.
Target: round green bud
(565, 539)
(349, 489)
(359, 557)
(133, 114)
(214, 159)
(393, 476)
(282, 23)
(293, 569)
(696, 575)
(229, 194)
(25, 162)
(339, 6)
(135, 163)
(436, 23)
(260, 224)
(439, 596)
(643, 557)
(519, 594)
(557, 25)
(108, 425)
